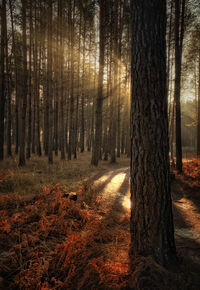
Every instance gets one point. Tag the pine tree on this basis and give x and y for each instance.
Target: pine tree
(152, 232)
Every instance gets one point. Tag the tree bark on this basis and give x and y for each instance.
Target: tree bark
(28, 150)
(82, 129)
(2, 84)
(99, 102)
(8, 83)
(49, 84)
(62, 134)
(71, 117)
(36, 83)
(16, 81)
(179, 34)
(198, 113)
(152, 231)
(114, 96)
(24, 88)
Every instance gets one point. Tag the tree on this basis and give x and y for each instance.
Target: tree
(179, 35)
(9, 81)
(2, 84)
(198, 111)
(98, 121)
(192, 67)
(24, 88)
(49, 84)
(62, 141)
(28, 149)
(71, 40)
(16, 79)
(152, 231)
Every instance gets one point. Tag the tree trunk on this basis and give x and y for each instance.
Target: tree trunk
(16, 81)
(62, 134)
(24, 89)
(82, 129)
(152, 231)
(8, 82)
(179, 34)
(28, 150)
(114, 96)
(169, 47)
(2, 88)
(198, 114)
(71, 117)
(98, 114)
(49, 84)
(79, 90)
(106, 112)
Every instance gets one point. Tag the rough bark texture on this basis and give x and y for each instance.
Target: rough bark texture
(152, 231)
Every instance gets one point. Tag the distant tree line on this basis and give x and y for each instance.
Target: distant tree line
(50, 78)
(65, 77)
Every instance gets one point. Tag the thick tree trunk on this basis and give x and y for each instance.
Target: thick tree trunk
(152, 231)
(24, 88)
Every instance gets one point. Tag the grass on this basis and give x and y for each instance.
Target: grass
(28, 181)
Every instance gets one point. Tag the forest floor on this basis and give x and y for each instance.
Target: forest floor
(50, 241)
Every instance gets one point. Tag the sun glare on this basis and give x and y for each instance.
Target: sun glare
(127, 202)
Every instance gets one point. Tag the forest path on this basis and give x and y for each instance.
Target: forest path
(114, 191)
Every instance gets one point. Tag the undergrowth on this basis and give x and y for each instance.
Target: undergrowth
(191, 173)
(52, 242)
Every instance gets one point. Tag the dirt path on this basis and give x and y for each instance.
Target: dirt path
(115, 193)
